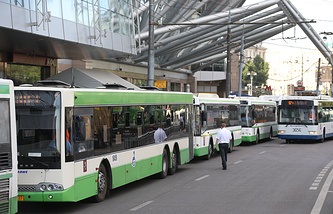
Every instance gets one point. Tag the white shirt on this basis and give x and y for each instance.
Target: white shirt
(223, 136)
(159, 135)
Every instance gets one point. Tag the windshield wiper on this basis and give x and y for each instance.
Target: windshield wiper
(299, 119)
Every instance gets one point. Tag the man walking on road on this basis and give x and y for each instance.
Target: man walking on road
(222, 138)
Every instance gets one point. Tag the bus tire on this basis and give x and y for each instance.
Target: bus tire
(210, 151)
(257, 138)
(165, 165)
(323, 137)
(174, 162)
(270, 134)
(231, 145)
(102, 184)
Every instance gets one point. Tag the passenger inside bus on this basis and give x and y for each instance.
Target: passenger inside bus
(68, 144)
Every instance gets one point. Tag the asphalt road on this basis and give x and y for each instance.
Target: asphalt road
(269, 178)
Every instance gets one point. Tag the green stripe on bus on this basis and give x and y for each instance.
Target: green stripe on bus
(86, 186)
(131, 98)
(237, 142)
(13, 205)
(6, 176)
(4, 89)
(199, 152)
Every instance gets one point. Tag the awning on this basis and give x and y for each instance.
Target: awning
(91, 78)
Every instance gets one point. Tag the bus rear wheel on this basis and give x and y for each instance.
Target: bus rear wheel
(102, 184)
(174, 163)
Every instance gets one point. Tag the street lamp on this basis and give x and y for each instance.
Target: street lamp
(251, 74)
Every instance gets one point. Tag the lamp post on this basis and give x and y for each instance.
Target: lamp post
(251, 74)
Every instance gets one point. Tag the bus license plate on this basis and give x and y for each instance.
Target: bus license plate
(297, 130)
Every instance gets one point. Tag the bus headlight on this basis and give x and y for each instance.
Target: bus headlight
(43, 187)
(313, 132)
(282, 131)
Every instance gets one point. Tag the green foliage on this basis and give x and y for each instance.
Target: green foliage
(21, 74)
(260, 67)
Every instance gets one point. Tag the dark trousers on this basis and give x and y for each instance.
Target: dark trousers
(223, 147)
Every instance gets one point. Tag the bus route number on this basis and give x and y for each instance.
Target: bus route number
(297, 130)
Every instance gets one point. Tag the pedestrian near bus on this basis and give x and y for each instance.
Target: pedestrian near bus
(159, 134)
(223, 138)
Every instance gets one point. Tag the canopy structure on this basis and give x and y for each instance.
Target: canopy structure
(191, 33)
(87, 78)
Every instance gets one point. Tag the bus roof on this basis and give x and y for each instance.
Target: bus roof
(211, 100)
(87, 96)
(255, 100)
(319, 97)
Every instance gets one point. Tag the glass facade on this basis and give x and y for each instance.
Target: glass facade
(107, 15)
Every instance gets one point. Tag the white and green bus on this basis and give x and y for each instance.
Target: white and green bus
(80, 143)
(259, 119)
(209, 113)
(8, 152)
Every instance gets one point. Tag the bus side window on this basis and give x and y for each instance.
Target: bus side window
(83, 132)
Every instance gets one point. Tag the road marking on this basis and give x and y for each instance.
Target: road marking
(263, 152)
(141, 205)
(320, 176)
(237, 162)
(203, 177)
(322, 195)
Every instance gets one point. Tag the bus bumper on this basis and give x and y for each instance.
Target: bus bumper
(248, 139)
(300, 137)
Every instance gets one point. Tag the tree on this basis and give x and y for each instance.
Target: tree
(260, 67)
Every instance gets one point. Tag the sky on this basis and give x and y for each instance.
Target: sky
(290, 58)
(320, 11)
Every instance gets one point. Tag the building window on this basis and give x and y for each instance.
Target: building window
(175, 86)
(207, 89)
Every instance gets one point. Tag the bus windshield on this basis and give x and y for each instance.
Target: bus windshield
(38, 127)
(246, 116)
(303, 115)
(198, 121)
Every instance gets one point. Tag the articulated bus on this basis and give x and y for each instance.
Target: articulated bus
(8, 152)
(259, 119)
(209, 114)
(79, 143)
(305, 118)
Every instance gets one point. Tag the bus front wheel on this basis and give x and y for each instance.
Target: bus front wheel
(165, 165)
(231, 145)
(323, 137)
(210, 151)
(102, 184)
(257, 138)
